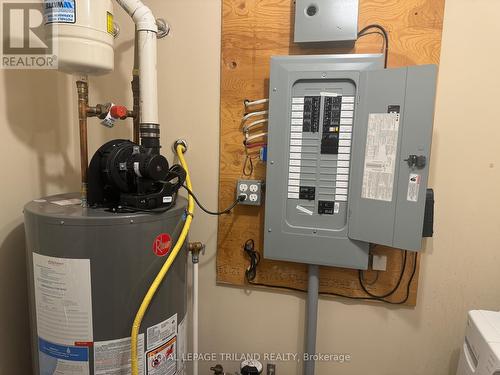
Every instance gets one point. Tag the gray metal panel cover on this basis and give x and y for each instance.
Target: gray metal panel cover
(306, 242)
(326, 20)
(398, 222)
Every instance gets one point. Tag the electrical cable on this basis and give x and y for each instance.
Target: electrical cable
(255, 136)
(385, 35)
(248, 127)
(257, 144)
(368, 298)
(180, 149)
(249, 103)
(392, 291)
(248, 165)
(240, 199)
(377, 275)
(253, 114)
(408, 286)
(373, 33)
(249, 249)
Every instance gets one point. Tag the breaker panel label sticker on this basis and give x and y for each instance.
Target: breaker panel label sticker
(162, 244)
(60, 11)
(413, 187)
(161, 332)
(113, 357)
(162, 360)
(380, 156)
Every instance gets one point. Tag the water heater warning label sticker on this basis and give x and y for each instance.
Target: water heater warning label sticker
(60, 11)
(113, 357)
(64, 314)
(161, 332)
(182, 346)
(162, 360)
(110, 26)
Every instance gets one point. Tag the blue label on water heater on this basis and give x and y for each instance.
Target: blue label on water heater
(62, 359)
(69, 353)
(60, 11)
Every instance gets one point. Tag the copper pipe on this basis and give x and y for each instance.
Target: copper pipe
(83, 103)
(136, 91)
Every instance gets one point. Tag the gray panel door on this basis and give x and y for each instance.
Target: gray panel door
(391, 150)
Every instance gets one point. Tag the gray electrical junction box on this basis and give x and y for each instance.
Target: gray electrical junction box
(348, 157)
(326, 21)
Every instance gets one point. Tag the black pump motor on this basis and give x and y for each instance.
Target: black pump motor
(128, 175)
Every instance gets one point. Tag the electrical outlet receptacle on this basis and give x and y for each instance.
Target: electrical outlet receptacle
(252, 190)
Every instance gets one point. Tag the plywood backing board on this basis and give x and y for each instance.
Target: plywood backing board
(252, 32)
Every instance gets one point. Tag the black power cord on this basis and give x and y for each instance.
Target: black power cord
(383, 32)
(249, 249)
(178, 172)
(368, 298)
(392, 291)
(240, 199)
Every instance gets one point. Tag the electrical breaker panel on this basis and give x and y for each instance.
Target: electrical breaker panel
(349, 145)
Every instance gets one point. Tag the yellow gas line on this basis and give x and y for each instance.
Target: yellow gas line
(180, 149)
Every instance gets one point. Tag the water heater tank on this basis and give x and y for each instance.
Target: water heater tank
(82, 33)
(89, 270)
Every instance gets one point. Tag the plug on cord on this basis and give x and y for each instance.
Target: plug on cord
(254, 255)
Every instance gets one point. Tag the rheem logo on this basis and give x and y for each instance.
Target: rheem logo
(26, 41)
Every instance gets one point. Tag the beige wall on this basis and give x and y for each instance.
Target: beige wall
(38, 148)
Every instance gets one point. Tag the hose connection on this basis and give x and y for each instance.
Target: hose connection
(180, 142)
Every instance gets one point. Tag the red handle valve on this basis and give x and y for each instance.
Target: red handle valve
(118, 112)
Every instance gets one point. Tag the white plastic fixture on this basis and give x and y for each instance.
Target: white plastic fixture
(82, 32)
(145, 24)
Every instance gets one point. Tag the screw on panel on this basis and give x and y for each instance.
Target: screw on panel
(62, 222)
(131, 221)
(275, 89)
(272, 161)
(269, 230)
